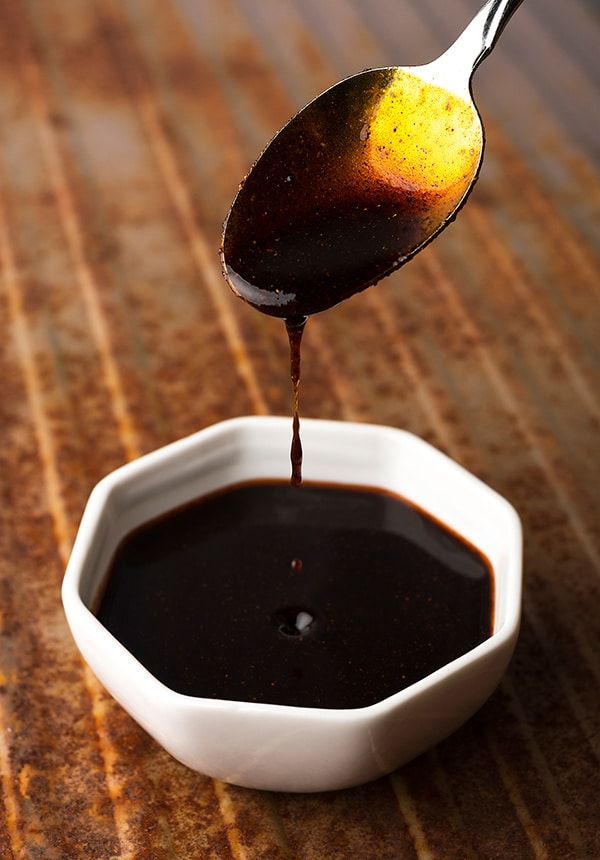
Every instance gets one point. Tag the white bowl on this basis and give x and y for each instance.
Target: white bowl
(278, 747)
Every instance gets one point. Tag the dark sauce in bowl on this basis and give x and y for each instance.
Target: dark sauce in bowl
(329, 597)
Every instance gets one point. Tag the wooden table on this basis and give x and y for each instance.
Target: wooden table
(125, 127)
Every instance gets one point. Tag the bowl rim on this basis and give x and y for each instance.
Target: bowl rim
(78, 614)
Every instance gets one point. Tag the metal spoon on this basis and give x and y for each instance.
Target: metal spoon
(360, 179)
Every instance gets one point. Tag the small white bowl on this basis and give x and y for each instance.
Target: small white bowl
(278, 747)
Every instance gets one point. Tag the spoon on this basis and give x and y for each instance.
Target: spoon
(360, 179)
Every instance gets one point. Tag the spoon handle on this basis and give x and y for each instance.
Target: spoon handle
(477, 39)
(496, 16)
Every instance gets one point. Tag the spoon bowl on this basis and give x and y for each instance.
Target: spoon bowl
(359, 180)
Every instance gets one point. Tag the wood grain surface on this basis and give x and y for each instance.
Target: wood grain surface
(125, 128)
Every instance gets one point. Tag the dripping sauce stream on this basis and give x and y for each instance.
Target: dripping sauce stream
(295, 329)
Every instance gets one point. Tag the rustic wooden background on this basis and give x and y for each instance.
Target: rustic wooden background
(125, 127)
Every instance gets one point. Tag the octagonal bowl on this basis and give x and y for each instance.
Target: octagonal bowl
(277, 747)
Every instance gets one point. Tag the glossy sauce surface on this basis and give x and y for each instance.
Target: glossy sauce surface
(324, 596)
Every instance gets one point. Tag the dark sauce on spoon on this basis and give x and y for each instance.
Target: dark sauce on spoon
(348, 191)
(354, 185)
(207, 600)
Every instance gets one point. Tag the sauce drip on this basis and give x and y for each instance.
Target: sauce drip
(295, 330)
